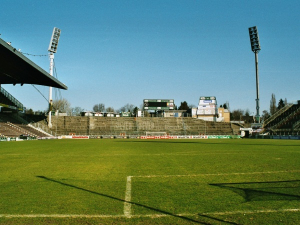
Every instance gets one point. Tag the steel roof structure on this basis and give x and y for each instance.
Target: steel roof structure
(15, 68)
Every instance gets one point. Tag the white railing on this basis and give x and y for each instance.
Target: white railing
(39, 130)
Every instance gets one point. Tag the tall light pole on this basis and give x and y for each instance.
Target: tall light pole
(255, 47)
(52, 49)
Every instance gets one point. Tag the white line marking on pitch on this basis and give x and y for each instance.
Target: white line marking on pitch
(127, 204)
(216, 174)
(252, 212)
(58, 216)
(141, 216)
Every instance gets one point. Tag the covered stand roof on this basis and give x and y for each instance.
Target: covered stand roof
(15, 68)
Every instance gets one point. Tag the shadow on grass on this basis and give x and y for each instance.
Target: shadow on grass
(265, 191)
(122, 200)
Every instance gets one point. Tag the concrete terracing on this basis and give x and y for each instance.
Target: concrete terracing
(136, 126)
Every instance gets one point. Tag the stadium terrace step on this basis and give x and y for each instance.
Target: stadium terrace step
(277, 114)
(286, 122)
(136, 126)
(8, 130)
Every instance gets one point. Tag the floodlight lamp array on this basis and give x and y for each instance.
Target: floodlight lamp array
(54, 40)
(254, 40)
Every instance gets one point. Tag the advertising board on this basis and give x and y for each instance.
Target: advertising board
(207, 106)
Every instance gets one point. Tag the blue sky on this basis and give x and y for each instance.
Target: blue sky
(117, 52)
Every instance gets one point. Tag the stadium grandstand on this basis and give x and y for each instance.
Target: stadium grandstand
(286, 121)
(15, 69)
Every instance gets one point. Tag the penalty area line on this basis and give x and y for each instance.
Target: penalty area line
(215, 174)
(251, 212)
(127, 201)
(57, 216)
(127, 204)
(143, 216)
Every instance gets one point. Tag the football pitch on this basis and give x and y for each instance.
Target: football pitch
(132, 181)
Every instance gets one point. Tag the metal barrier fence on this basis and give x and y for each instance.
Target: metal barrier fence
(18, 104)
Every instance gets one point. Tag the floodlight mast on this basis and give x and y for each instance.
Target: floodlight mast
(52, 49)
(255, 47)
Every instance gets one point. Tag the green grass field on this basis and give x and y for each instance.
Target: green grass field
(129, 181)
